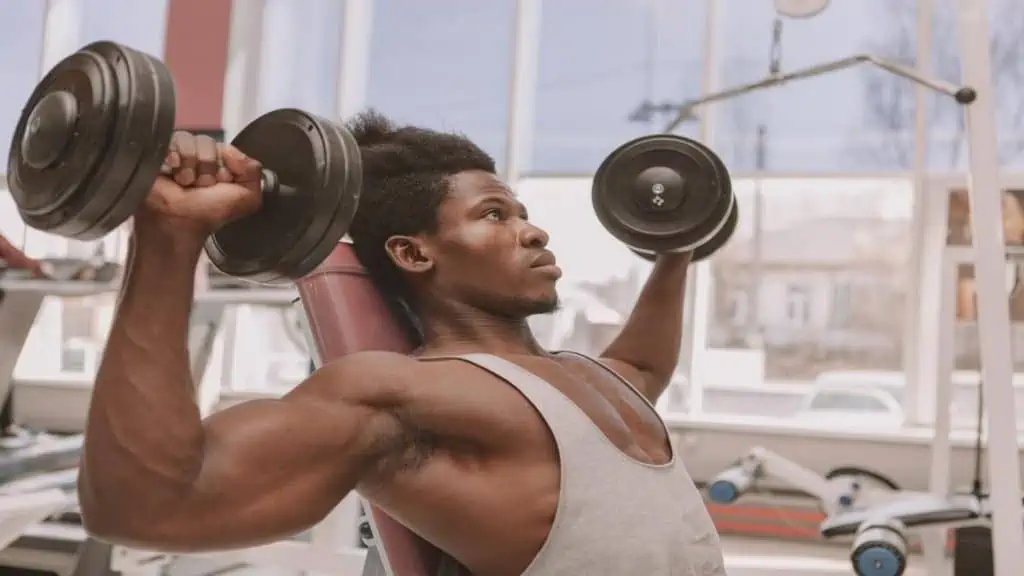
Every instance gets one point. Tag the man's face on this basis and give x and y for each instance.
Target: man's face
(487, 254)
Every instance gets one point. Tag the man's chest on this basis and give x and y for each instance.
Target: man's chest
(476, 405)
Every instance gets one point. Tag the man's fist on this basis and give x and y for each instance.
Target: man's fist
(203, 185)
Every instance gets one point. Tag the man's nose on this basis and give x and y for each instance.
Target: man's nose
(533, 237)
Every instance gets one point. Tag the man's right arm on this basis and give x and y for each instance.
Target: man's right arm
(155, 476)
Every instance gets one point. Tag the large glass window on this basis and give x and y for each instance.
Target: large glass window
(839, 122)
(21, 52)
(444, 64)
(600, 62)
(809, 293)
(947, 146)
(301, 50)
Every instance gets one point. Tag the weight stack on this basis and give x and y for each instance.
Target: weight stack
(972, 551)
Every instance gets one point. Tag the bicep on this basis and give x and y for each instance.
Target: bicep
(276, 467)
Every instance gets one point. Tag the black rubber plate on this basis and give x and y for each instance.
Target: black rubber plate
(707, 249)
(49, 197)
(104, 150)
(704, 206)
(279, 242)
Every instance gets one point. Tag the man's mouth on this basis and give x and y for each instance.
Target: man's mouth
(545, 259)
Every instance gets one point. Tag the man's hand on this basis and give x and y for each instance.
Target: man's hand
(203, 186)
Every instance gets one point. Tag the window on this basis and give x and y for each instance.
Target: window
(819, 238)
(839, 122)
(741, 308)
(798, 305)
(599, 61)
(444, 64)
(141, 25)
(299, 56)
(841, 302)
(21, 51)
(947, 143)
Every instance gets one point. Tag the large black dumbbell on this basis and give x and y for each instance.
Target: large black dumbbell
(666, 193)
(93, 135)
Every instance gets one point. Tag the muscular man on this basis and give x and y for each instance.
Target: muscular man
(511, 458)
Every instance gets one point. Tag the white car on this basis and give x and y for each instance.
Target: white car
(843, 405)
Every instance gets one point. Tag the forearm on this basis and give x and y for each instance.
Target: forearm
(652, 335)
(144, 437)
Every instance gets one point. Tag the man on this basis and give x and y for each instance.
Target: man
(511, 459)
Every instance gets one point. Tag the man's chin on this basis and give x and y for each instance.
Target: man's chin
(544, 306)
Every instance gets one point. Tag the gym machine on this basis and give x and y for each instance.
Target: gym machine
(840, 490)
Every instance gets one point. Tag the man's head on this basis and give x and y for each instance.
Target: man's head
(435, 225)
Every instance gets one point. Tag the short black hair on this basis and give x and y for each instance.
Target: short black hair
(406, 173)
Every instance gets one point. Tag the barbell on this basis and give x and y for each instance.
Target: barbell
(94, 133)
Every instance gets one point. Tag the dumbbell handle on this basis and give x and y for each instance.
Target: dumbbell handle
(272, 187)
(270, 184)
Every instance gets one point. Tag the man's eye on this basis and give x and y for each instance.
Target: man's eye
(493, 214)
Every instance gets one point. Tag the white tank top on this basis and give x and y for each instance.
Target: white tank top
(616, 516)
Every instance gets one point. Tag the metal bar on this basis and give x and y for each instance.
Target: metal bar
(772, 80)
(919, 343)
(522, 88)
(354, 63)
(696, 297)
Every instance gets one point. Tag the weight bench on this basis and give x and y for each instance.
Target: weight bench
(347, 314)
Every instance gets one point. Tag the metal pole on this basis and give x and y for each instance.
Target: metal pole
(522, 88)
(354, 63)
(926, 250)
(753, 308)
(698, 285)
(992, 299)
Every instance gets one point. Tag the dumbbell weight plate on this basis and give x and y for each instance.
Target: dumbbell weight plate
(83, 135)
(292, 233)
(662, 193)
(712, 245)
(148, 109)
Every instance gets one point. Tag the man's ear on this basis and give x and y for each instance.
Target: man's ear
(409, 253)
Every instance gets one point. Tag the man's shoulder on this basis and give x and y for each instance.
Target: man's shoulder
(368, 376)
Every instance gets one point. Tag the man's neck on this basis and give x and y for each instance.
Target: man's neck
(469, 331)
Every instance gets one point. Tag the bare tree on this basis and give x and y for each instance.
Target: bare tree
(889, 100)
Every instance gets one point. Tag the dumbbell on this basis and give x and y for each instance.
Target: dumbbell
(665, 193)
(91, 140)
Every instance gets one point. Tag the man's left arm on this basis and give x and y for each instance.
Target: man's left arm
(646, 351)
